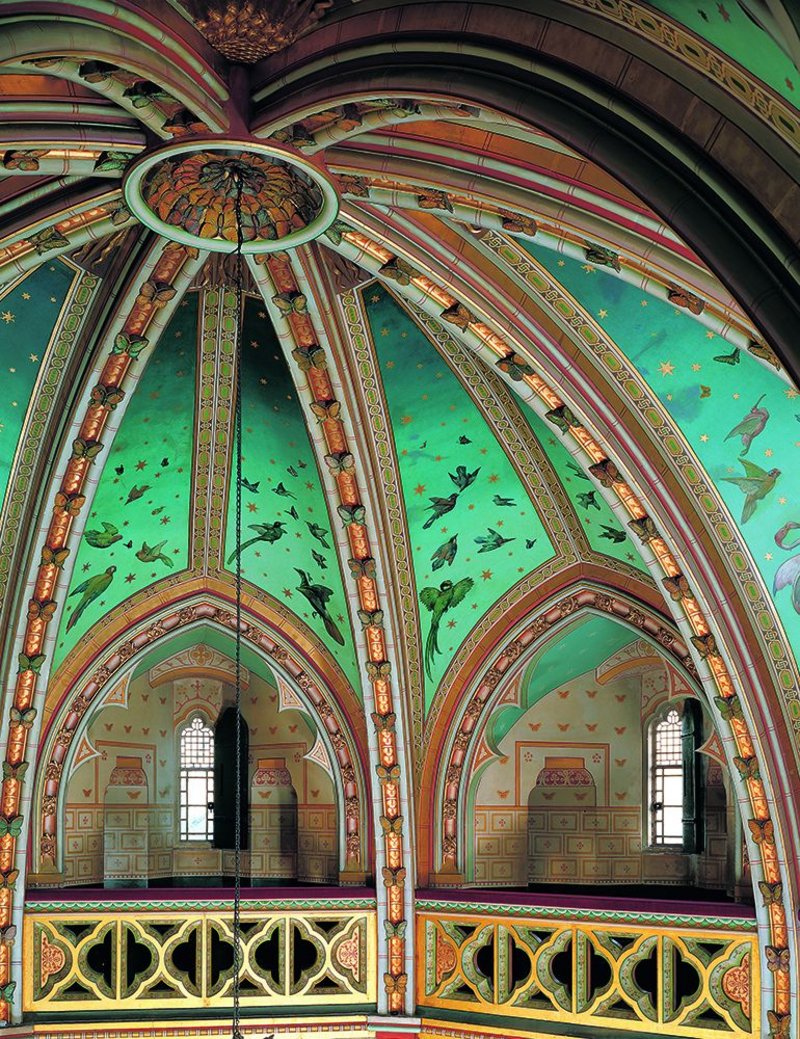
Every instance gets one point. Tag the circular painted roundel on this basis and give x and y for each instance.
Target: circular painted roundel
(187, 192)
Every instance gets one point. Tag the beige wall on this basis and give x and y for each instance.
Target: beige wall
(586, 827)
(146, 729)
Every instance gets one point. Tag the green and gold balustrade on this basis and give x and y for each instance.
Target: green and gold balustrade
(117, 955)
(669, 974)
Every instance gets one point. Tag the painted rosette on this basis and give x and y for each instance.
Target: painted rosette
(188, 191)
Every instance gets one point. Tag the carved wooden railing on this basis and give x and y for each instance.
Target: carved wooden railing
(116, 955)
(669, 973)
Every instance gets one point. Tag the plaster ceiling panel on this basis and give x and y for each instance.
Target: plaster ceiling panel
(728, 28)
(579, 648)
(470, 518)
(30, 309)
(138, 529)
(739, 417)
(286, 526)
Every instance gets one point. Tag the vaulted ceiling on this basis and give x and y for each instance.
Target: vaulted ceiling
(500, 373)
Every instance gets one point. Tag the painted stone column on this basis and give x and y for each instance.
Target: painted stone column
(273, 822)
(126, 825)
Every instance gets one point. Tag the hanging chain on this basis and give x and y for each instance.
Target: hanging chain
(237, 845)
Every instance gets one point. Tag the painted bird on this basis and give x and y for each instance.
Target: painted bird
(751, 425)
(755, 485)
(445, 553)
(293, 513)
(319, 533)
(318, 596)
(502, 502)
(461, 478)
(530, 542)
(89, 590)
(577, 471)
(291, 470)
(464, 439)
(104, 538)
(319, 559)
(491, 540)
(281, 490)
(613, 534)
(249, 486)
(137, 492)
(264, 532)
(788, 573)
(589, 501)
(151, 553)
(439, 601)
(440, 507)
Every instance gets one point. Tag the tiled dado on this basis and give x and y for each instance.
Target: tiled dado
(515, 846)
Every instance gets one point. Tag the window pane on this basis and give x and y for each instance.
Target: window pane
(196, 781)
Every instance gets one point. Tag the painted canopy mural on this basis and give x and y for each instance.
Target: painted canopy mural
(31, 308)
(740, 418)
(138, 527)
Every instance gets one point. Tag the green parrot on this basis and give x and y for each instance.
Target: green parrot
(151, 553)
(445, 553)
(318, 595)
(751, 425)
(264, 532)
(755, 485)
(439, 601)
(90, 589)
(104, 538)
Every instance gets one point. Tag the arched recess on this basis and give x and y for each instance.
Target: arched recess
(722, 218)
(341, 732)
(460, 723)
(454, 751)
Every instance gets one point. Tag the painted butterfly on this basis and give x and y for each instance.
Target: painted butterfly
(54, 556)
(291, 303)
(729, 708)
(396, 269)
(86, 448)
(747, 767)
(33, 663)
(351, 514)
(42, 610)
(308, 357)
(392, 825)
(128, 343)
(763, 830)
(772, 893)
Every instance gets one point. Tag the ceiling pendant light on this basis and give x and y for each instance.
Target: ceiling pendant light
(245, 32)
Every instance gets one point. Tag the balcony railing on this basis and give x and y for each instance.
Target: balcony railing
(172, 952)
(667, 971)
